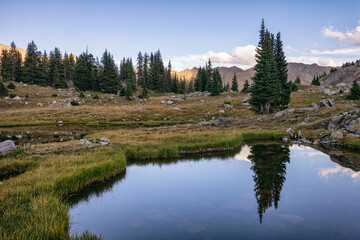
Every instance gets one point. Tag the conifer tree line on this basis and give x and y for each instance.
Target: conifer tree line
(208, 79)
(88, 73)
(270, 89)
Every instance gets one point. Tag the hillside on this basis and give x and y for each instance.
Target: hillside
(342, 75)
(306, 72)
(22, 51)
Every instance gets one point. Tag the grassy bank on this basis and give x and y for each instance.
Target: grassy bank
(31, 205)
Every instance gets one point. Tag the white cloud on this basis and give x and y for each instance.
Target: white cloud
(328, 32)
(352, 36)
(322, 61)
(339, 51)
(243, 56)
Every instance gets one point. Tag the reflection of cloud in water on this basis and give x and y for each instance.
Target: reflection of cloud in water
(327, 172)
(243, 154)
(307, 151)
(294, 219)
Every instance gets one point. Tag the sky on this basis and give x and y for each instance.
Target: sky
(187, 32)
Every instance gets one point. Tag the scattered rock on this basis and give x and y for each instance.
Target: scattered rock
(221, 111)
(223, 120)
(332, 93)
(281, 113)
(177, 109)
(84, 141)
(169, 102)
(104, 141)
(201, 124)
(227, 106)
(163, 101)
(341, 85)
(6, 147)
(336, 134)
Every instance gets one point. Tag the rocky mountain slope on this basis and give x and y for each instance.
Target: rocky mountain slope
(306, 72)
(342, 75)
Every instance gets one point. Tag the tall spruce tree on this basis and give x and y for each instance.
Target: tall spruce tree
(234, 84)
(44, 63)
(168, 78)
(56, 62)
(127, 73)
(32, 65)
(5, 65)
(266, 88)
(14, 65)
(84, 75)
(3, 90)
(109, 80)
(246, 87)
(216, 83)
(190, 86)
(282, 71)
(354, 91)
(140, 69)
(146, 70)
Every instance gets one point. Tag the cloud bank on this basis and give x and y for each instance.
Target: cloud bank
(350, 36)
(244, 56)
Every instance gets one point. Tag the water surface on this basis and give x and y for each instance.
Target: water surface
(264, 191)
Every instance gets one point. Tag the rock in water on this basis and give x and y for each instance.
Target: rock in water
(7, 147)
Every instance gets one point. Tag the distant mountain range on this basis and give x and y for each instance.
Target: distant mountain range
(306, 72)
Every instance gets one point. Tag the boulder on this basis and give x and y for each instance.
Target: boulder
(84, 141)
(336, 134)
(332, 93)
(201, 124)
(223, 120)
(341, 85)
(6, 147)
(286, 111)
(326, 103)
(104, 141)
(354, 126)
(169, 102)
(177, 109)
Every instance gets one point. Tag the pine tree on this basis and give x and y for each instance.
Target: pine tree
(5, 65)
(84, 74)
(3, 90)
(216, 84)
(354, 91)
(197, 82)
(32, 65)
(44, 65)
(190, 86)
(315, 81)
(246, 87)
(145, 91)
(266, 88)
(127, 73)
(58, 82)
(168, 78)
(128, 91)
(282, 71)
(297, 80)
(146, 70)
(182, 86)
(206, 80)
(140, 69)
(14, 65)
(234, 84)
(56, 62)
(11, 85)
(108, 81)
(175, 85)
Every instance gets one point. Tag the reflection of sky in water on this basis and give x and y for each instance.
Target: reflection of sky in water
(215, 199)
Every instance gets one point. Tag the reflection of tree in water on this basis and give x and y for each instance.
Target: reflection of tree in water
(269, 166)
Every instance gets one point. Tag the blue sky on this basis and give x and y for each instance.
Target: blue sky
(187, 32)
